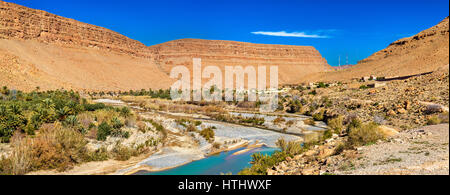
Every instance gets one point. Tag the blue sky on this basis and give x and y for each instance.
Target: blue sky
(336, 28)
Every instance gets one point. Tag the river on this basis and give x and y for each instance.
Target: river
(222, 163)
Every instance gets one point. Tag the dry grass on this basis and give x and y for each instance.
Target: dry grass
(54, 147)
(366, 134)
(336, 125)
(142, 126)
(19, 162)
(279, 120)
(309, 121)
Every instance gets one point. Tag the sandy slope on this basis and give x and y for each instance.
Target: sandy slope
(27, 64)
(424, 52)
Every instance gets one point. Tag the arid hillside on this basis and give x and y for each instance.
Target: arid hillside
(42, 49)
(424, 52)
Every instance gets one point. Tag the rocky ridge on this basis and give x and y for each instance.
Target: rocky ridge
(28, 34)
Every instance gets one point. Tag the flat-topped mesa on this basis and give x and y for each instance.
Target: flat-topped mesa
(22, 23)
(229, 53)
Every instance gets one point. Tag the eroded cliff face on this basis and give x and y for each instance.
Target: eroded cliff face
(22, 23)
(236, 53)
(292, 61)
(66, 53)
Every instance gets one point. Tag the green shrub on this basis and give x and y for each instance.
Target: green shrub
(116, 123)
(322, 85)
(198, 123)
(327, 135)
(339, 148)
(336, 124)
(104, 130)
(208, 134)
(260, 163)
(94, 107)
(318, 116)
(354, 123)
(364, 134)
(159, 128)
(253, 120)
(125, 112)
(191, 128)
(123, 153)
(309, 121)
(444, 117)
(290, 148)
(279, 120)
(294, 106)
(39, 107)
(98, 155)
(433, 120)
(363, 87)
(71, 121)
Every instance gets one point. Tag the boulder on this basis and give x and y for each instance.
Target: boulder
(311, 171)
(402, 111)
(391, 113)
(387, 131)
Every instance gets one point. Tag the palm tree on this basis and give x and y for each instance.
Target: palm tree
(48, 104)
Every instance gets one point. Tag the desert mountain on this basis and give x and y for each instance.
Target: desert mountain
(42, 49)
(424, 52)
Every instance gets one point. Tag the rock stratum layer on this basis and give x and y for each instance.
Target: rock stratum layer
(424, 52)
(42, 49)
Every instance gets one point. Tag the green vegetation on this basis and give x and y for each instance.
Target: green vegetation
(256, 121)
(360, 135)
(50, 130)
(319, 116)
(294, 106)
(158, 127)
(336, 124)
(162, 94)
(26, 112)
(313, 92)
(309, 121)
(363, 87)
(433, 120)
(186, 122)
(438, 119)
(104, 130)
(55, 147)
(279, 120)
(260, 163)
(208, 134)
(323, 85)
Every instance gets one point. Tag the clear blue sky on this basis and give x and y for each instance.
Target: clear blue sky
(353, 28)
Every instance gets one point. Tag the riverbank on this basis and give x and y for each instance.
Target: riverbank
(224, 163)
(170, 159)
(249, 138)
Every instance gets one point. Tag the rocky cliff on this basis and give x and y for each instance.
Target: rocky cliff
(22, 23)
(42, 49)
(292, 61)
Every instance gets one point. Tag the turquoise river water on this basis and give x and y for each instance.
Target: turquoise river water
(222, 163)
